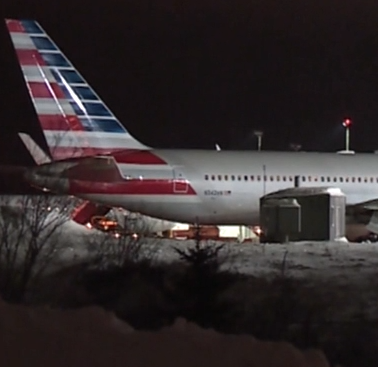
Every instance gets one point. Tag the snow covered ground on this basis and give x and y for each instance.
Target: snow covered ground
(345, 262)
(93, 337)
(344, 274)
(346, 271)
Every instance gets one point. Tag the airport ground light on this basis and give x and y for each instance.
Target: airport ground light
(117, 250)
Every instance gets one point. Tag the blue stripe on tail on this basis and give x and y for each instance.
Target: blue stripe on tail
(91, 111)
(31, 26)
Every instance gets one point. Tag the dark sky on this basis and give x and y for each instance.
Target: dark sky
(194, 73)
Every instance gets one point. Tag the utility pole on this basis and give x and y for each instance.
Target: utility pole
(259, 135)
(347, 123)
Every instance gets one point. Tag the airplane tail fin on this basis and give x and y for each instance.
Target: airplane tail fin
(74, 120)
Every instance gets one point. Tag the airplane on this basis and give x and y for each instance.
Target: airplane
(96, 158)
(87, 212)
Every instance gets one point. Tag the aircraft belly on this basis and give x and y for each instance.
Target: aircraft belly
(177, 208)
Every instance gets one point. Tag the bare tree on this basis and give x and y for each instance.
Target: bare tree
(122, 247)
(29, 229)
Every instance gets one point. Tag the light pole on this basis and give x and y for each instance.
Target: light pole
(347, 124)
(259, 134)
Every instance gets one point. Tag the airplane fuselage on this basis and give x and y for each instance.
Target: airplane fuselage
(113, 168)
(216, 187)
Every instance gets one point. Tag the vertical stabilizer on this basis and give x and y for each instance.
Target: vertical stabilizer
(74, 120)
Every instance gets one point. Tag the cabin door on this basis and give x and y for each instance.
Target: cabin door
(180, 183)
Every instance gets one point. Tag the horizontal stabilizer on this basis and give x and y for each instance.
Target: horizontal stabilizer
(83, 213)
(39, 156)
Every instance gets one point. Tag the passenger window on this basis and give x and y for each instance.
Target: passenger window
(322, 178)
(328, 179)
(239, 178)
(303, 178)
(278, 178)
(252, 178)
(309, 178)
(371, 179)
(219, 177)
(264, 177)
(335, 179)
(212, 177)
(245, 178)
(226, 177)
(283, 178)
(315, 179)
(206, 177)
(290, 178)
(341, 179)
(359, 179)
(232, 178)
(258, 178)
(346, 179)
(365, 179)
(271, 178)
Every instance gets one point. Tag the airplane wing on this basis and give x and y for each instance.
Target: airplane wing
(367, 214)
(369, 205)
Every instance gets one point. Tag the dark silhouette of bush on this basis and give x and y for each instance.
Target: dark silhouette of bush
(198, 292)
(133, 292)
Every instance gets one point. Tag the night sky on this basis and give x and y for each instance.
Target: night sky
(189, 74)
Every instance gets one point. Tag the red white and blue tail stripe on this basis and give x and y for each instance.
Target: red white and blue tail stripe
(73, 118)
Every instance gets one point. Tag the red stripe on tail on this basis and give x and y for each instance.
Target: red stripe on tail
(60, 123)
(15, 26)
(138, 157)
(121, 155)
(45, 90)
(60, 153)
(30, 57)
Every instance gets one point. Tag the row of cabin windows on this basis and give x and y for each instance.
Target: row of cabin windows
(289, 178)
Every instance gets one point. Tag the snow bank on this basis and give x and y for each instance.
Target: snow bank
(93, 337)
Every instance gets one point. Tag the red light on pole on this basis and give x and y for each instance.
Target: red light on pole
(347, 122)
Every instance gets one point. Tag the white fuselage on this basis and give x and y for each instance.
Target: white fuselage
(229, 184)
